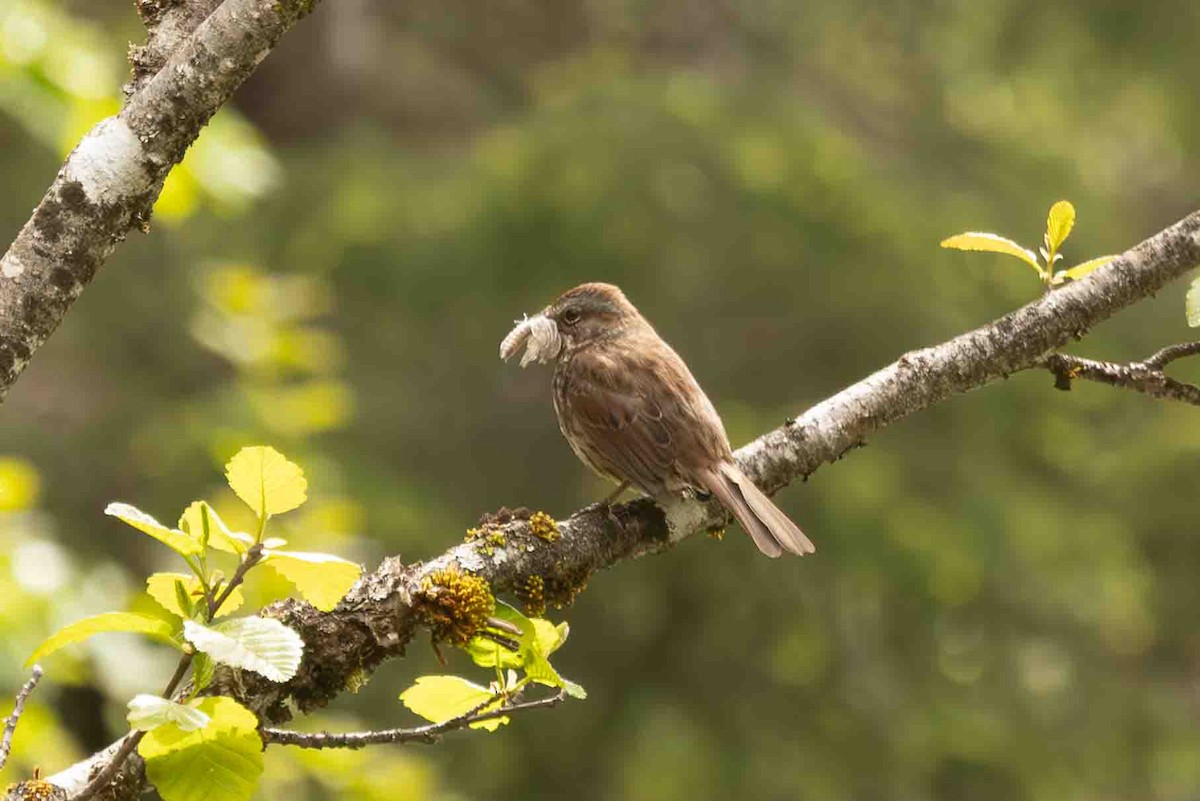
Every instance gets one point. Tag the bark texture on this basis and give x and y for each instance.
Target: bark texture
(388, 607)
(197, 53)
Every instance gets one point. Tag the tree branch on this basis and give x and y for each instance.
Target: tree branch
(1172, 353)
(1145, 376)
(168, 25)
(383, 612)
(109, 183)
(431, 733)
(10, 723)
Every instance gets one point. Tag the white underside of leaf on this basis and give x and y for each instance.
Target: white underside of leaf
(260, 644)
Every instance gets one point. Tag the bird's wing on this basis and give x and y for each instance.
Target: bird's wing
(622, 430)
(637, 420)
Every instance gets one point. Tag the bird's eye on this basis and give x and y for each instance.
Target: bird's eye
(571, 316)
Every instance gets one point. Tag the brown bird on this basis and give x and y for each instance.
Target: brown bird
(633, 412)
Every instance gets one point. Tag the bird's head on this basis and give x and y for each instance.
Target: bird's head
(584, 314)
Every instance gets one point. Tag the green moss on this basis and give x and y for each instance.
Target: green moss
(561, 590)
(533, 595)
(542, 525)
(454, 605)
(490, 539)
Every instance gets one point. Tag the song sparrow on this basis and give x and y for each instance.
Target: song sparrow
(631, 410)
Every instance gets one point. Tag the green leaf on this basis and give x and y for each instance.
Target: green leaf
(221, 762)
(148, 712)
(185, 601)
(162, 588)
(266, 480)
(539, 639)
(202, 671)
(80, 630)
(1059, 223)
(323, 579)
(490, 654)
(245, 541)
(1080, 270)
(260, 644)
(573, 689)
(549, 636)
(174, 539)
(199, 517)
(442, 698)
(991, 243)
(1193, 303)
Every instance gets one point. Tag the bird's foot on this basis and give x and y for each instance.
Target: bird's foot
(605, 506)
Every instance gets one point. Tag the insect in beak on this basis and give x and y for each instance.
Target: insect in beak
(538, 335)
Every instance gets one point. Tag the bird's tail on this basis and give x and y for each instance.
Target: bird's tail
(772, 531)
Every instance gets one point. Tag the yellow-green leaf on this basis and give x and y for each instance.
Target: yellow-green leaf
(268, 483)
(1059, 223)
(1193, 303)
(323, 579)
(991, 243)
(489, 653)
(161, 587)
(1080, 270)
(219, 536)
(539, 639)
(80, 630)
(220, 762)
(203, 667)
(441, 698)
(176, 540)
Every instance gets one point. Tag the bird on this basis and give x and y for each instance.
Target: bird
(632, 411)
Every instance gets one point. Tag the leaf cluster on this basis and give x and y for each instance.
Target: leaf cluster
(1059, 223)
(515, 665)
(209, 748)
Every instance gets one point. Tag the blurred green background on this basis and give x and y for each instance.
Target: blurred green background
(1003, 604)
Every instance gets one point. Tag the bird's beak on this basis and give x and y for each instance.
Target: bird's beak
(538, 335)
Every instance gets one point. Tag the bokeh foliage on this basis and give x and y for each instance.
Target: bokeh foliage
(1003, 600)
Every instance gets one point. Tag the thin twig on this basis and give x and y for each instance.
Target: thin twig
(430, 733)
(1146, 376)
(1171, 353)
(10, 724)
(252, 558)
(106, 775)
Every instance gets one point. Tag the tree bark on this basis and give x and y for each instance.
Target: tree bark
(197, 53)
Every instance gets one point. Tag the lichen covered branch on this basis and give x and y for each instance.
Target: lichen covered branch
(195, 57)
